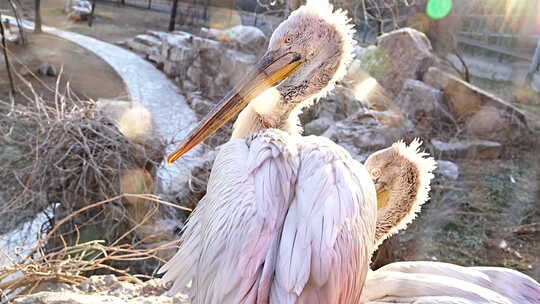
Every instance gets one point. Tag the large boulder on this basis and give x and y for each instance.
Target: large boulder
(485, 115)
(407, 54)
(422, 104)
(245, 38)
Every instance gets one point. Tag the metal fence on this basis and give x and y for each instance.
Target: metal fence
(193, 13)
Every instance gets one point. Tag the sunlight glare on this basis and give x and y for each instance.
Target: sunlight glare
(364, 88)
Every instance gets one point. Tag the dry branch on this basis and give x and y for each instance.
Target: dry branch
(70, 263)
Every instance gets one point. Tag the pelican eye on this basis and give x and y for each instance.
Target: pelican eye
(375, 173)
(288, 39)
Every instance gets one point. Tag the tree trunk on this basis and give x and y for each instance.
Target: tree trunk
(206, 3)
(91, 18)
(18, 19)
(37, 24)
(6, 58)
(172, 22)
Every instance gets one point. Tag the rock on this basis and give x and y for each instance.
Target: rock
(47, 69)
(422, 104)
(318, 126)
(67, 298)
(391, 118)
(447, 169)
(200, 105)
(487, 123)
(246, 38)
(372, 60)
(483, 149)
(406, 54)
(202, 65)
(236, 65)
(141, 48)
(105, 290)
(149, 40)
(486, 116)
(79, 10)
(98, 283)
(249, 38)
(337, 105)
(361, 134)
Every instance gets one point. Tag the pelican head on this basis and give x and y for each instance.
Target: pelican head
(306, 55)
(402, 176)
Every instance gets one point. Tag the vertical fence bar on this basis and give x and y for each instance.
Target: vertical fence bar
(173, 15)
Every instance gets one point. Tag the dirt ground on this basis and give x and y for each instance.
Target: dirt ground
(113, 23)
(88, 76)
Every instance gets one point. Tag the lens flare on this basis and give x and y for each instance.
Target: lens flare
(438, 9)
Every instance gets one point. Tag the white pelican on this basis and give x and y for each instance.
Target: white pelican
(291, 219)
(402, 187)
(286, 219)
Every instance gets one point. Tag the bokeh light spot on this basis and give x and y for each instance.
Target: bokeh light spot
(438, 9)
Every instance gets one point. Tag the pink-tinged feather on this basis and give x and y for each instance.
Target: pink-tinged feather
(283, 221)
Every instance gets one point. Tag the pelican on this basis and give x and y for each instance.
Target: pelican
(286, 218)
(402, 175)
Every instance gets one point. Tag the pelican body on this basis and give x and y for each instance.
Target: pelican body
(292, 219)
(286, 219)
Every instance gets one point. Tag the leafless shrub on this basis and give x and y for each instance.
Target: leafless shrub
(72, 263)
(66, 153)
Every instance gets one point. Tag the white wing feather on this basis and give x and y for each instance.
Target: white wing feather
(228, 238)
(436, 282)
(296, 220)
(324, 250)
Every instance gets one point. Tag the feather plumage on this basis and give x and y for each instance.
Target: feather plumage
(284, 221)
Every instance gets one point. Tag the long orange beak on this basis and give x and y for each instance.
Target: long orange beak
(267, 72)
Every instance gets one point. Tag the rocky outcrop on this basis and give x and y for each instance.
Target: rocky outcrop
(210, 65)
(100, 290)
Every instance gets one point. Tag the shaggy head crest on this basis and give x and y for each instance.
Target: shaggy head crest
(405, 173)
